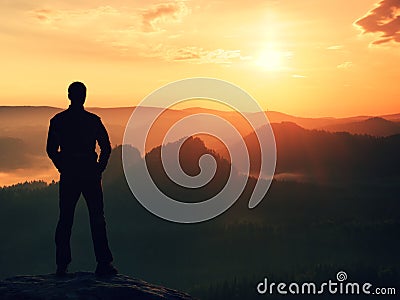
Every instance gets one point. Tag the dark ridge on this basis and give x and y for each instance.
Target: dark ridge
(84, 286)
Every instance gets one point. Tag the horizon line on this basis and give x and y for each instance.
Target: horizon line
(204, 108)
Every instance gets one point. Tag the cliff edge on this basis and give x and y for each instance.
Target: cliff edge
(84, 286)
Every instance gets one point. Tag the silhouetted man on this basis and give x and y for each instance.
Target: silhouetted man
(71, 144)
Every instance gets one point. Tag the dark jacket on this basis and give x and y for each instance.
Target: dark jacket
(71, 143)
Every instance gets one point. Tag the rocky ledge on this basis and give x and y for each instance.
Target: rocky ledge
(84, 286)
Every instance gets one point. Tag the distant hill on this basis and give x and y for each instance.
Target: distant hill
(325, 157)
(392, 117)
(23, 132)
(302, 155)
(190, 153)
(376, 126)
(273, 117)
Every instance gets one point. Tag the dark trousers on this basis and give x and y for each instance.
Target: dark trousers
(70, 190)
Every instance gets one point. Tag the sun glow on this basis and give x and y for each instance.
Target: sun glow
(272, 59)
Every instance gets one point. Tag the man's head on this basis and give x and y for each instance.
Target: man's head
(77, 93)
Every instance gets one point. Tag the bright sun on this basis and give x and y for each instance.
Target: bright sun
(272, 59)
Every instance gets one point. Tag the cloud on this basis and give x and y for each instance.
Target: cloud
(152, 19)
(345, 65)
(298, 76)
(220, 56)
(384, 19)
(173, 12)
(103, 29)
(76, 18)
(187, 53)
(335, 47)
(194, 54)
(132, 33)
(125, 32)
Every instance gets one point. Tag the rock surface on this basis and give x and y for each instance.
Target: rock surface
(84, 286)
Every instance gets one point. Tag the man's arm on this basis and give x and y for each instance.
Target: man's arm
(105, 146)
(53, 143)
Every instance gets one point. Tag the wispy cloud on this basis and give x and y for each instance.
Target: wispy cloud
(345, 65)
(138, 32)
(154, 17)
(384, 19)
(335, 47)
(298, 76)
(59, 18)
(131, 33)
(114, 20)
(194, 54)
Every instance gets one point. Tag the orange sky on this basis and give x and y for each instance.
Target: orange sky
(306, 57)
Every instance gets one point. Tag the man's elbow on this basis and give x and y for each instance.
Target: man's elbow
(108, 149)
(50, 152)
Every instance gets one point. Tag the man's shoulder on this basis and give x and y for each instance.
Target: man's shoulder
(59, 116)
(66, 114)
(91, 115)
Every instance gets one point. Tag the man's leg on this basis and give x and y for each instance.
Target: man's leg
(93, 193)
(69, 192)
